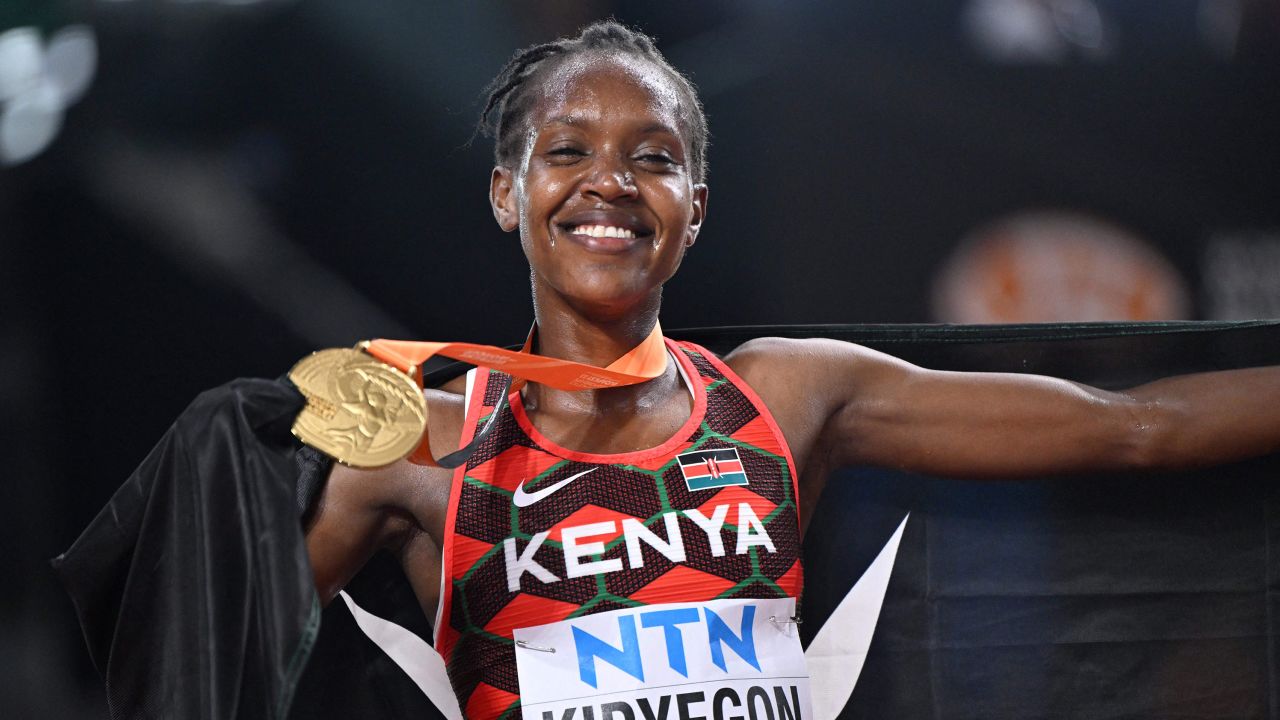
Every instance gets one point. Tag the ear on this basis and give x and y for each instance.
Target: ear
(699, 213)
(502, 198)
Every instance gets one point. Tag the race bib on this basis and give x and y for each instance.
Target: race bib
(720, 659)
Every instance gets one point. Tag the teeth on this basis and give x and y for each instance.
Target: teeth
(602, 231)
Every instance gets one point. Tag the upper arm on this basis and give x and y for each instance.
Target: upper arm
(872, 408)
(356, 514)
(984, 424)
(399, 507)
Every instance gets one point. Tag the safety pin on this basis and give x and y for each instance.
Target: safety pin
(793, 620)
(531, 646)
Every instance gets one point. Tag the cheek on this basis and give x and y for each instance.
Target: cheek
(532, 214)
(541, 193)
(678, 197)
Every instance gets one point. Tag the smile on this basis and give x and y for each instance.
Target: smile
(602, 231)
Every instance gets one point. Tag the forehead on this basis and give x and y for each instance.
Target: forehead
(594, 87)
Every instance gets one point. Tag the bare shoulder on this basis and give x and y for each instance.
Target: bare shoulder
(767, 365)
(807, 383)
(785, 373)
(766, 349)
(800, 362)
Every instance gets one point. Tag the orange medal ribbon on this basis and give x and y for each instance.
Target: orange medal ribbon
(645, 361)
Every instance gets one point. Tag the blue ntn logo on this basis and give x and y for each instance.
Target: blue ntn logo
(629, 658)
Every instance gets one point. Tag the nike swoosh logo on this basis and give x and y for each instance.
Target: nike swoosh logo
(525, 499)
(838, 651)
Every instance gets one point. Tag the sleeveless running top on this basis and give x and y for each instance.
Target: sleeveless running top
(537, 533)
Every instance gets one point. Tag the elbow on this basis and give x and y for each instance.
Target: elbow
(1150, 441)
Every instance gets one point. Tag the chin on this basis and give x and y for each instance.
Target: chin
(609, 297)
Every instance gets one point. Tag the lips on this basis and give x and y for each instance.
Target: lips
(605, 231)
(602, 231)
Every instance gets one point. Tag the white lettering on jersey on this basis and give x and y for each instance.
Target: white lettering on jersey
(672, 548)
(751, 531)
(574, 551)
(578, 547)
(711, 526)
(522, 563)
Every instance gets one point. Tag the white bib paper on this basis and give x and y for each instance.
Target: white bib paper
(680, 661)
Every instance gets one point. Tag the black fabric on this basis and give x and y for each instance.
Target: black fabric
(1108, 596)
(313, 467)
(192, 585)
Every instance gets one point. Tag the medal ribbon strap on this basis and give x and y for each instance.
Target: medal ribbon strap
(645, 361)
(422, 454)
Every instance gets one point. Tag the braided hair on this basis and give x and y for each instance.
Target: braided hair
(511, 97)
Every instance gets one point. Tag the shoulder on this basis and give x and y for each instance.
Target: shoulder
(767, 356)
(819, 372)
(797, 381)
(774, 367)
(766, 352)
(785, 372)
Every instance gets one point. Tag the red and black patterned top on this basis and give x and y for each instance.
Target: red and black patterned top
(538, 533)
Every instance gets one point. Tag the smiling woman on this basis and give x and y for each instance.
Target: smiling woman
(633, 550)
(706, 471)
(605, 187)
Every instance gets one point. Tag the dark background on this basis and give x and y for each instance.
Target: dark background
(244, 182)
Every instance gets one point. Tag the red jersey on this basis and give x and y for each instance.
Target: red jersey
(538, 533)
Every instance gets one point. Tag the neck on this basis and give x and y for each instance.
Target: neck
(569, 335)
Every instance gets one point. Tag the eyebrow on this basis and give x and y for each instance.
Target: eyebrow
(566, 120)
(658, 127)
(578, 121)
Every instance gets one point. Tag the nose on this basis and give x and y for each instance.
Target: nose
(609, 180)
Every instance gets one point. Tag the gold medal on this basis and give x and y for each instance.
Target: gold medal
(364, 409)
(360, 411)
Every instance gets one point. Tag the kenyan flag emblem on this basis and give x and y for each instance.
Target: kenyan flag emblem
(704, 469)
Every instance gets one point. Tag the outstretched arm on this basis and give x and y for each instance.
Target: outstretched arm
(871, 408)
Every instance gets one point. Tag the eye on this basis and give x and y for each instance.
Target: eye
(656, 159)
(565, 154)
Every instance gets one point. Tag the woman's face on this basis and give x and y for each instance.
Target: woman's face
(603, 195)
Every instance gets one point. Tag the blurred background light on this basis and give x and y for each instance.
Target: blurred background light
(70, 61)
(1038, 31)
(29, 122)
(1219, 25)
(37, 83)
(1057, 267)
(1081, 24)
(1014, 31)
(1242, 276)
(21, 61)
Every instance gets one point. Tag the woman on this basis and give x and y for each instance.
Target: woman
(573, 502)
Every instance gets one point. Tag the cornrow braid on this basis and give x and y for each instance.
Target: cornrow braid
(511, 97)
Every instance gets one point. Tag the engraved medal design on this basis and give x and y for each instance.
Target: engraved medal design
(359, 411)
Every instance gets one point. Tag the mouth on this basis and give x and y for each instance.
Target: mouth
(605, 232)
(602, 231)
